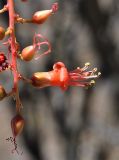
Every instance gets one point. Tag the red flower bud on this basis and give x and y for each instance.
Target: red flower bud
(2, 93)
(28, 53)
(17, 124)
(41, 16)
(2, 33)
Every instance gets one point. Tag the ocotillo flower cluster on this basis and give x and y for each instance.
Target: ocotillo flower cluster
(59, 76)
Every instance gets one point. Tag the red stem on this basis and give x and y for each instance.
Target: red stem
(14, 52)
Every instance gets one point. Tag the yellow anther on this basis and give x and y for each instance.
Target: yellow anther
(92, 82)
(87, 64)
(95, 69)
(78, 67)
(99, 73)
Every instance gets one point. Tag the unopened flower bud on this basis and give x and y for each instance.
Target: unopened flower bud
(2, 33)
(2, 93)
(17, 124)
(41, 16)
(28, 53)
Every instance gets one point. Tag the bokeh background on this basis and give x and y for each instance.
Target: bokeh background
(77, 124)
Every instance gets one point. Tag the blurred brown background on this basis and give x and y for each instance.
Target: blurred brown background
(77, 124)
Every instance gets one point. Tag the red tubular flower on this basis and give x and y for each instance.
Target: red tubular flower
(61, 77)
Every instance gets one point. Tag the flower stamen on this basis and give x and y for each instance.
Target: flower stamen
(38, 43)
